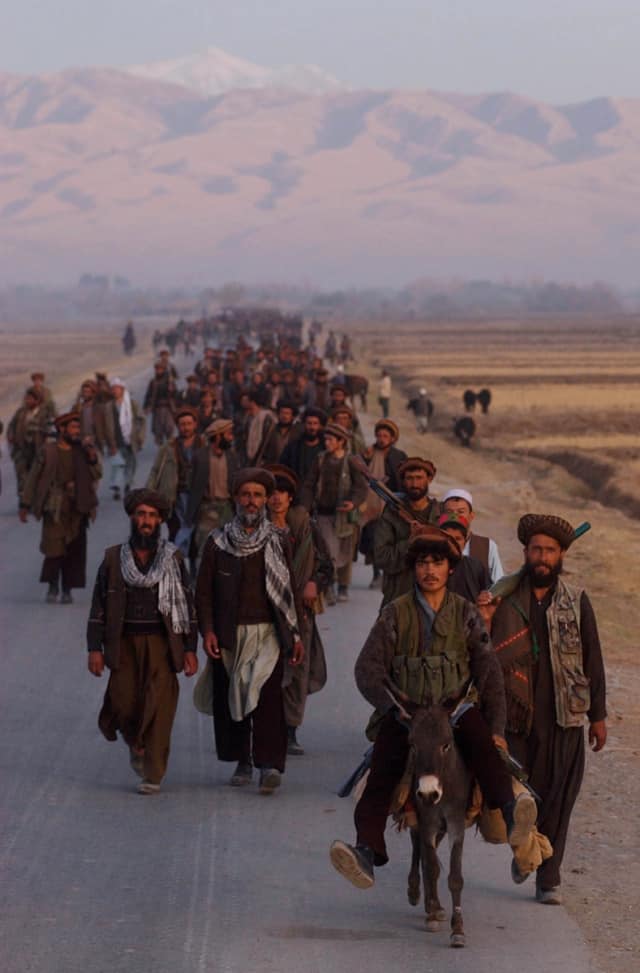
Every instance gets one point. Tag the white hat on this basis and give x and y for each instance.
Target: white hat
(119, 382)
(423, 391)
(458, 494)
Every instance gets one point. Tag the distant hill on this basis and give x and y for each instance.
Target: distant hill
(111, 172)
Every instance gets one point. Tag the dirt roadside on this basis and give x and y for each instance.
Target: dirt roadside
(601, 874)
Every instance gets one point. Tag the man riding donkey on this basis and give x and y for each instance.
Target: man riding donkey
(430, 646)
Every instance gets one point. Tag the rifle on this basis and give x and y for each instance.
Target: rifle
(382, 491)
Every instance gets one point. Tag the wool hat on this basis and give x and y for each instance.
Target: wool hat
(459, 521)
(185, 410)
(344, 408)
(65, 418)
(390, 426)
(313, 411)
(37, 375)
(423, 541)
(253, 474)
(148, 498)
(333, 429)
(89, 383)
(285, 478)
(34, 393)
(417, 463)
(548, 524)
(217, 427)
(458, 494)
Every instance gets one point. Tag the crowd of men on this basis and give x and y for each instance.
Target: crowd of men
(269, 491)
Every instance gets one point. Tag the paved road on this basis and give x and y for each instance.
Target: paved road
(202, 877)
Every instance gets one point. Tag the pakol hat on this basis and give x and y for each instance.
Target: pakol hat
(253, 474)
(459, 521)
(417, 463)
(217, 427)
(548, 524)
(458, 494)
(89, 383)
(343, 407)
(148, 498)
(285, 478)
(428, 537)
(185, 410)
(34, 393)
(65, 418)
(37, 375)
(333, 429)
(390, 426)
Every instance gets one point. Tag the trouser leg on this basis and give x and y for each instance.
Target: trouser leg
(50, 573)
(74, 562)
(555, 814)
(388, 764)
(161, 702)
(479, 752)
(232, 739)
(122, 703)
(269, 725)
(344, 574)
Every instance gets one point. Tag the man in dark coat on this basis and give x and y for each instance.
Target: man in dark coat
(159, 400)
(249, 621)
(142, 626)
(470, 576)
(546, 638)
(384, 460)
(60, 490)
(300, 453)
(211, 493)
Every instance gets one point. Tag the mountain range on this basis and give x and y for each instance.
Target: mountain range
(130, 172)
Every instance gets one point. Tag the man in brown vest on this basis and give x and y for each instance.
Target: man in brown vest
(142, 626)
(546, 638)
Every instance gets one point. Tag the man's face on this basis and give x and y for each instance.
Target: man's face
(279, 502)
(543, 557)
(432, 573)
(118, 392)
(343, 419)
(458, 535)
(383, 438)
(337, 396)
(238, 376)
(456, 505)
(312, 427)
(145, 519)
(187, 426)
(71, 432)
(250, 501)
(30, 401)
(332, 442)
(87, 393)
(416, 484)
(285, 416)
(212, 378)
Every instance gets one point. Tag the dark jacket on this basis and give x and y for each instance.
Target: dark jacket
(108, 604)
(392, 462)
(200, 478)
(469, 578)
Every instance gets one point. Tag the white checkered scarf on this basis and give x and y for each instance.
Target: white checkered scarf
(165, 573)
(233, 539)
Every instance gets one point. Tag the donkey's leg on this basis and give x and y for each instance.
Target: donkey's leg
(456, 883)
(413, 886)
(430, 873)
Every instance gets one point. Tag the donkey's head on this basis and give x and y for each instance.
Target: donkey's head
(432, 743)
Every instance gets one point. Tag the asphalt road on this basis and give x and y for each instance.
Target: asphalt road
(203, 877)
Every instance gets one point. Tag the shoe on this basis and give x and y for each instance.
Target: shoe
(146, 787)
(294, 749)
(67, 598)
(136, 761)
(116, 493)
(343, 593)
(270, 779)
(517, 876)
(549, 896)
(520, 817)
(243, 774)
(355, 864)
(330, 596)
(52, 595)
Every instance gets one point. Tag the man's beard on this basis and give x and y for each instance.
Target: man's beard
(311, 437)
(144, 542)
(545, 577)
(250, 519)
(417, 494)
(71, 440)
(225, 444)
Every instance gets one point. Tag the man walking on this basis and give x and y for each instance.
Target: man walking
(60, 490)
(249, 622)
(384, 460)
(300, 453)
(142, 626)
(384, 393)
(210, 498)
(26, 434)
(159, 400)
(128, 426)
(546, 638)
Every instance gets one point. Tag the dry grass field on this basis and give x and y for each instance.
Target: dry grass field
(562, 435)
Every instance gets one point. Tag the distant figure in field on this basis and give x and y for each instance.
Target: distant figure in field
(422, 408)
(484, 398)
(129, 339)
(469, 399)
(464, 428)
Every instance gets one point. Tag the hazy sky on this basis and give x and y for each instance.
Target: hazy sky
(558, 50)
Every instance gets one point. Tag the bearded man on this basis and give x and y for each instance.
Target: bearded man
(282, 432)
(393, 532)
(142, 626)
(60, 490)
(26, 434)
(249, 621)
(210, 498)
(384, 460)
(300, 453)
(129, 427)
(546, 638)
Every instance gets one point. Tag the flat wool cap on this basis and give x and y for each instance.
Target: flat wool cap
(424, 540)
(417, 463)
(218, 426)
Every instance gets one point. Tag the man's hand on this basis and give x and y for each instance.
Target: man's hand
(96, 663)
(211, 646)
(298, 653)
(309, 594)
(486, 605)
(345, 507)
(190, 664)
(597, 735)
(23, 514)
(500, 742)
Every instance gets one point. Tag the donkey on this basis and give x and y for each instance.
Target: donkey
(442, 784)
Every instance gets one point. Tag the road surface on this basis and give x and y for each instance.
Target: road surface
(203, 877)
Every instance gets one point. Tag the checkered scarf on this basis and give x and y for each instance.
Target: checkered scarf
(233, 539)
(165, 573)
